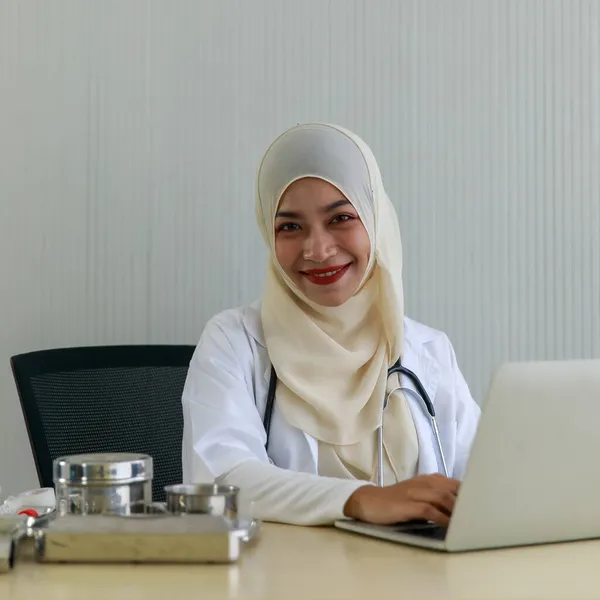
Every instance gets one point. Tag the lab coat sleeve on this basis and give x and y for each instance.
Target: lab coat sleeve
(224, 439)
(467, 418)
(285, 496)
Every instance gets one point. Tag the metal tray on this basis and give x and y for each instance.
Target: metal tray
(152, 538)
(246, 529)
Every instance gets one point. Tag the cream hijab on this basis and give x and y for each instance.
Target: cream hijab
(332, 362)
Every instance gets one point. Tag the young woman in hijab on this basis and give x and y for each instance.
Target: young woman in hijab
(330, 324)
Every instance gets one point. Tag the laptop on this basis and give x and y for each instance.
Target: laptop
(533, 474)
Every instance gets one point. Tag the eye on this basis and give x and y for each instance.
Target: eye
(288, 227)
(342, 218)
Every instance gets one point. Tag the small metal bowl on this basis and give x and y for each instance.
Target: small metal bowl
(205, 499)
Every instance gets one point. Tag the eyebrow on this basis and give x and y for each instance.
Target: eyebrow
(288, 214)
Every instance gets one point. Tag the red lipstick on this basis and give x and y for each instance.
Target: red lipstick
(327, 275)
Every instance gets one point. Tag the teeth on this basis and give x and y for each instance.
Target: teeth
(329, 273)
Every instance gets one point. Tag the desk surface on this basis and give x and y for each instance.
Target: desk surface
(300, 562)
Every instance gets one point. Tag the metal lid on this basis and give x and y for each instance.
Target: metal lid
(116, 467)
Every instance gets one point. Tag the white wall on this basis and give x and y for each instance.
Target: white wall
(130, 132)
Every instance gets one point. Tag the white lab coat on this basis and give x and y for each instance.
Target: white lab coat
(224, 439)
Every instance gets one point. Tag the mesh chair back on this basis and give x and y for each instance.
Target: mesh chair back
(105, 399)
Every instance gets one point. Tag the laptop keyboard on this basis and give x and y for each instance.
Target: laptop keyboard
(422, 529)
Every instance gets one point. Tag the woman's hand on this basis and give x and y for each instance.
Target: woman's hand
(427, 497)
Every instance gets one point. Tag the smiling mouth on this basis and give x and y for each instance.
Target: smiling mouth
(327, 275)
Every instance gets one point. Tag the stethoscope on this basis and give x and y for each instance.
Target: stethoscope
(420, 394)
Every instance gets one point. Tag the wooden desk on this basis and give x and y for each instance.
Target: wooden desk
(298, 562)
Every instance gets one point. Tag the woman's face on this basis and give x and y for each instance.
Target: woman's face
(320, 242)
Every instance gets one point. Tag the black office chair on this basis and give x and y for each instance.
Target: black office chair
(105, 399)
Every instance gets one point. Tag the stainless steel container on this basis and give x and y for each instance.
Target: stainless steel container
(207, 499)
(114, 483)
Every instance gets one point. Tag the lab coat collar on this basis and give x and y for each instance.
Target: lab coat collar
(419, 361)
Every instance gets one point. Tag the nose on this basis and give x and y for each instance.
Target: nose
(319, 246)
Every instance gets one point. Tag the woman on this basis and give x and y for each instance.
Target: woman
(330, 325)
